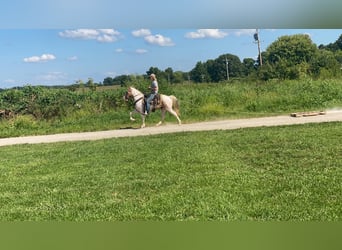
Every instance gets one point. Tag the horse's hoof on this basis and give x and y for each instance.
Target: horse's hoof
(142, 126)
(158, 124)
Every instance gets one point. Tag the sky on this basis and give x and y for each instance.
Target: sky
(52, 42)
(60, 57)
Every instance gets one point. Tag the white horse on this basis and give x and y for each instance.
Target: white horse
(167, 103)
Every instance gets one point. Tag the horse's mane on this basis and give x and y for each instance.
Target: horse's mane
(130, 88)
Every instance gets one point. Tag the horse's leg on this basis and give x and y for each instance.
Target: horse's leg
(131, 115)
(162, 117)
(143, 125)
(172, 112)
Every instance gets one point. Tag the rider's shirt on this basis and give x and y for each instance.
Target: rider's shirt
(154, 87)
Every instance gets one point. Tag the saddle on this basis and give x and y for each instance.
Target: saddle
(155, 103)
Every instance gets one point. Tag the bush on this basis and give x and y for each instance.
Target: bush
(24, 122)
(49, 104)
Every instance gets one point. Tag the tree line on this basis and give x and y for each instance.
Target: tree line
(289, 57)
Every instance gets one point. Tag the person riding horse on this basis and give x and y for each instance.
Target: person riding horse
(154, 91)
(166, 103)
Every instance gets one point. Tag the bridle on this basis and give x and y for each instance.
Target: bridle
(127, 96)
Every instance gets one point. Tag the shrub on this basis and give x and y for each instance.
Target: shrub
(24, 122)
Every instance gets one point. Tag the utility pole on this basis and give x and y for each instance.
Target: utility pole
(227, 69)
(256, 38)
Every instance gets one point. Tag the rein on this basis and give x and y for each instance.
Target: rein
(136, 101)
(136, 95)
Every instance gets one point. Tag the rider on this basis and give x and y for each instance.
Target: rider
(154, 90)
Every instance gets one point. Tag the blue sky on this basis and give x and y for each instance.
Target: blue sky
(59, 42)
(63, 56)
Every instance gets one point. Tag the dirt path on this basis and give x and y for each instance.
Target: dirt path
(201, 126)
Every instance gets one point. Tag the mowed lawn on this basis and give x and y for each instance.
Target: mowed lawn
(288, 173)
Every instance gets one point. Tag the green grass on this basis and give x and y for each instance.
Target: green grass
(289, 173)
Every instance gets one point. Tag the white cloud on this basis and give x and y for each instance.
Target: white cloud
(309, 34)
(119, 50)
(106, 38)
(80, 34)
(42, 58)
(141, 51)
(9, 81)
(110, 32)
(52, 77)
(100, 35)
(244, 32)
(111, 74)
(141, 33)
(159, 40)
(206, 33)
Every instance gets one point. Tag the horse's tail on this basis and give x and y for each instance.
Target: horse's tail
(175, 104)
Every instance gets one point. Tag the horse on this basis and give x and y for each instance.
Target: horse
(167, 103)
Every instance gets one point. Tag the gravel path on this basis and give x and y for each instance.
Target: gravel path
(329, 116)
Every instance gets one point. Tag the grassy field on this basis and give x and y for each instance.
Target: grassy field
(288, 173)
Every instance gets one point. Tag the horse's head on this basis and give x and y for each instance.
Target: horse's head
(128, 94)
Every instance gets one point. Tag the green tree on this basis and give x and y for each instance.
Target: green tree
(217, 68)
(266, 72)
(293, 49)
(325, 65)
(108, 81)
(249, 66)
(121, 80)
(178, 77)
(169, 75)
(337, 45)
(90, 84)
(154, 70)
(199, 73)
(338, 56)
(287, 52)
